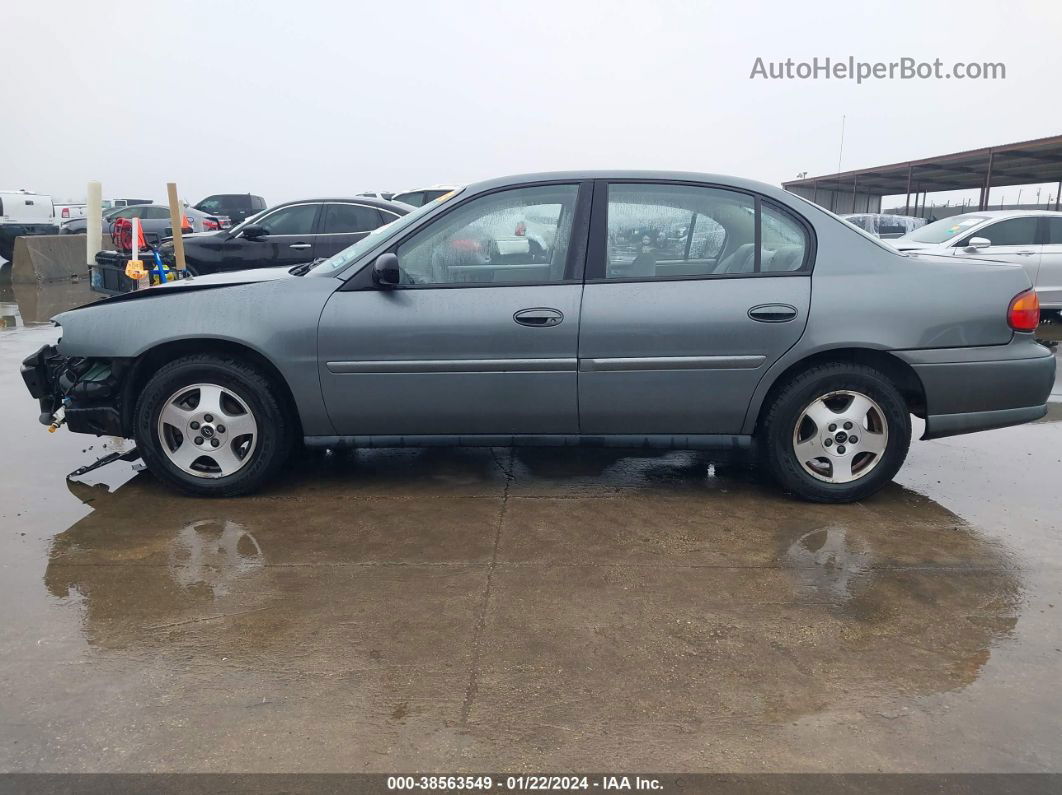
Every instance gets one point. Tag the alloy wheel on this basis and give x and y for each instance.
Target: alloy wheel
(841, 436)
(207, 430)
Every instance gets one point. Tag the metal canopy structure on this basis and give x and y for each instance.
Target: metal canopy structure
(1023, 163)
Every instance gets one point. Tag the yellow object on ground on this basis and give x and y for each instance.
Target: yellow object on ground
(134, 269)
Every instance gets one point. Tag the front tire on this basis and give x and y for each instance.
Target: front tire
(807, 434)
(211, 426)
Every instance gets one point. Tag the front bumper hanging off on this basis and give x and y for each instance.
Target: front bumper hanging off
(85, 390)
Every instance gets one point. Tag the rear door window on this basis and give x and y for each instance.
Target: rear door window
(1054, 231)
(661, 231)
(348, 218)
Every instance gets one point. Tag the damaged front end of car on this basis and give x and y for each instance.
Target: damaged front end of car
(82, 393)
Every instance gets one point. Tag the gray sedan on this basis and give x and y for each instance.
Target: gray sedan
(154, 219)
(629, 309)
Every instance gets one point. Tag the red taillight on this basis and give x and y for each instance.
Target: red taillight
(66, 212)
(210, 225)
(1024, 311)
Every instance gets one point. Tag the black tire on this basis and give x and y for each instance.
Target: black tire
(274, 428)
(776, 435)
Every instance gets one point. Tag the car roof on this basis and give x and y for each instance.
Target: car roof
(878, 215)
(228, 195)
(1008, 213)
(771, 191)
(428, 187)
(370, 201)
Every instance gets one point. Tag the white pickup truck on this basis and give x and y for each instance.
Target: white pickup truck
(23, 212)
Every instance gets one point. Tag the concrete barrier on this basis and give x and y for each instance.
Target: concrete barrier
(38, 303)
(40, 259)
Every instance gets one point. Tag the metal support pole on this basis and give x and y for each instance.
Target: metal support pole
(1057, 192)
(907, 201)
(855, 186)
(988, 182)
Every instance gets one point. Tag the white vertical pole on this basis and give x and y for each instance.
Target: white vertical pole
(94, 226)
(135, 243)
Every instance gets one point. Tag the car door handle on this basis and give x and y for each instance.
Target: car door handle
(1025, 253)
(299, 246)
(539, 317)
(773, 313)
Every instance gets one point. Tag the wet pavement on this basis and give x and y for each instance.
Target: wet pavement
(530, 610)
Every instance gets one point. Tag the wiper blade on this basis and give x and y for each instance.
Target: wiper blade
(305, 267)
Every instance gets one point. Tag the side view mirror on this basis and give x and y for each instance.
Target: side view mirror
(255, 232)
(975, 243)
(385, 271)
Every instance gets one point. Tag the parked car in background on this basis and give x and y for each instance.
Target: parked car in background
(421, 196)
(783, 329)
(110, 204)
(237, 207)
(154, 219)
(372, 194)
(69, 211)
(24, 212)
(288, 234)
(1030, 238)
(885, 225)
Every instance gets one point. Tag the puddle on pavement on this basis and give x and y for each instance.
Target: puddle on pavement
(773, 617)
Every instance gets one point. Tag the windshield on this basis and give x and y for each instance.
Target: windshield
(374, 238)
(944, 229)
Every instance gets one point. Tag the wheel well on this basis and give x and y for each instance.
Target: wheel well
(149, 362)
(899, 372)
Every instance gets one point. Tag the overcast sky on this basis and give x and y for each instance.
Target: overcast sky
(297, 99)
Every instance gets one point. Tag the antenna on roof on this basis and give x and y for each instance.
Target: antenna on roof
(841, 150)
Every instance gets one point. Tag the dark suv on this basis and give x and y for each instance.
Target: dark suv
(237, 206)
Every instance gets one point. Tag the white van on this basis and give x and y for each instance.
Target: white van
(24, 212)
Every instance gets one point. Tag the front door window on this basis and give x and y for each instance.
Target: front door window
(518, 236)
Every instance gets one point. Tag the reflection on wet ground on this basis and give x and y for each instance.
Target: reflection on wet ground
(537, 609)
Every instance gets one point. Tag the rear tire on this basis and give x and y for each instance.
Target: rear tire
(211, 426)
(805, 437)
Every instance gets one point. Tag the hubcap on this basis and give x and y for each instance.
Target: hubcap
(207, 431)
(840, 437)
